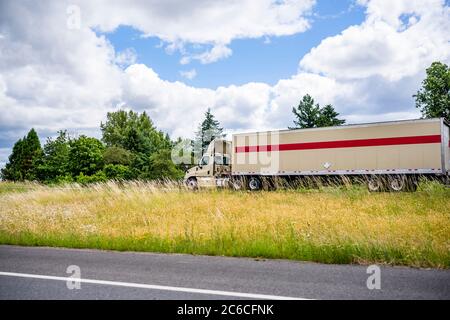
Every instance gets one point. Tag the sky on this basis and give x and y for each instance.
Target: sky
(65, 64)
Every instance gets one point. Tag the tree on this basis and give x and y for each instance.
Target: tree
(117, 126)
(24, 159)
(117, 171)
(208, 130)
(433, 99)
(129, 132)
(329, 117)
(132, 131)
(12, 170)
(117, 155)
(162, 167)
(307, 113)
(32, 155)
(310, 115)
(86, 156)
(55, 163)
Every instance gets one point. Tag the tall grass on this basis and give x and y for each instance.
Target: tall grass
(327, 224)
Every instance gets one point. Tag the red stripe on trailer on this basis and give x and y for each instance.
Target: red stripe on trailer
(342, 144)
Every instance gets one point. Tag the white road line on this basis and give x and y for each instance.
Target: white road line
(151, 286)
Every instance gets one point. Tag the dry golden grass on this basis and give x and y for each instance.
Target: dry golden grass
(335, 225)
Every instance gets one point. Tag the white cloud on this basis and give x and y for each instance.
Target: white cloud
(218, 52)
(190, 74)
(214, 23)
(185, 60)
(126, 57)
(178, 108)
(51, 80)
(173, 105)
(384, 45)
(200, 21)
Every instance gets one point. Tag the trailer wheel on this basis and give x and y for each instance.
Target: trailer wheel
(374, 184)
(192, 184)
(254, 184)
(397, 183)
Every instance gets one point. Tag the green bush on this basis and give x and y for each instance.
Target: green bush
(117, 172)
(99, 176)
(85, 156)
(117, 155)
(64, 179)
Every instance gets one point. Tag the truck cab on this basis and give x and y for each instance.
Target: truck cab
(214, 167)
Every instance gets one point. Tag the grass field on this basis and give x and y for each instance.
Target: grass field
(330, 225)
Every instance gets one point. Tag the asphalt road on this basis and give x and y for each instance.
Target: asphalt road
(41, 273)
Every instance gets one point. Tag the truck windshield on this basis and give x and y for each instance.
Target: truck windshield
(204, 161)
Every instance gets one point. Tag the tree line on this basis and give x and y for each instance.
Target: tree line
(131, 147)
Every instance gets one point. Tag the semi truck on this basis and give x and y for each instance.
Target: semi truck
(387, 155)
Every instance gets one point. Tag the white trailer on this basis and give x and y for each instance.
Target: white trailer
(397, 151)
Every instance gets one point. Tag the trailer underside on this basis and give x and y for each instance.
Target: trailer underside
(375, 182)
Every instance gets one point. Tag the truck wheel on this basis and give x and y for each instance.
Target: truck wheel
(374, 184)
(254, 184)
(397, 183)
(192, 183)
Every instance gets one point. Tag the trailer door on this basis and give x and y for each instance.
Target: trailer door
(446, 146)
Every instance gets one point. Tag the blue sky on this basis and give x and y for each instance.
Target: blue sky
(253, 60)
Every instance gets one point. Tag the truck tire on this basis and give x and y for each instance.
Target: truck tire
(397, 183)
(192, 184)
(254, 184)
(375, 184)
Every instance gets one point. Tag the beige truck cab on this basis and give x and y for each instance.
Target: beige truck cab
(214, 168)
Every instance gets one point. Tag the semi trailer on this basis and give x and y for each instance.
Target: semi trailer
(387, 155)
